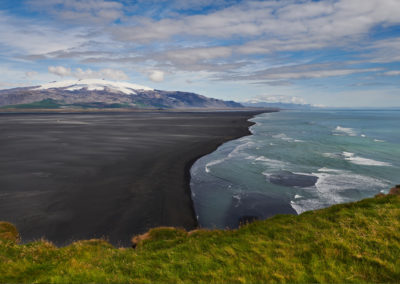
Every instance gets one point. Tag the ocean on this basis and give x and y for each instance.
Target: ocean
(296, 161)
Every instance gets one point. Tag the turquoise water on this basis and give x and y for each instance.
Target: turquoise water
(296, 161)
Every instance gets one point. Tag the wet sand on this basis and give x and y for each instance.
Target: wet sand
(67, 177)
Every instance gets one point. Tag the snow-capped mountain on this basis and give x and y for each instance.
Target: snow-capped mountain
(95, 85)
(97, 93)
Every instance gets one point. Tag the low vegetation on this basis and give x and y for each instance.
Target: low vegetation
(53, 104)
(354, 242)
(43, 104)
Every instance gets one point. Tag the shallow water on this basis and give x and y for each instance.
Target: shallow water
(297, 161)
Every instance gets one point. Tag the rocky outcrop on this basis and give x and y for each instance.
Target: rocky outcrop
(395, 190)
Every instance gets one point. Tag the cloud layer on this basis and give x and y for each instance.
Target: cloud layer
(79, 73)
(294, 44)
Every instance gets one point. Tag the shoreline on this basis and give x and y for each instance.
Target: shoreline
(190, 163)
(114, 176)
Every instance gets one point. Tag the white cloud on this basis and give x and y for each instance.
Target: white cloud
(29, 37)
(190, 55)
(262, 28)
(316, 73)
(392, 73)
(76, 11)
(300, 71)
(113, 74)
(30, 74)
(107, 73)
(233, 40)
(307, 22)
(156, 76)
(59, 71)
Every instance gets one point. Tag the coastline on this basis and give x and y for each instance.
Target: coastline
(111, 176)
(191, 162)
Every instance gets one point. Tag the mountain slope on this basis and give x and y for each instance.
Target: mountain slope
(95, 93)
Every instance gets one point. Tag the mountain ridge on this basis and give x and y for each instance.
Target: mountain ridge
(100, 93)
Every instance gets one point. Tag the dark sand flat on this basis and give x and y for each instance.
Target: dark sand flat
(66, 177)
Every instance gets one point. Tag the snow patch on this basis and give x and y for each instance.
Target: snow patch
(95, 85)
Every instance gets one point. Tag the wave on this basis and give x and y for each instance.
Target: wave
(333, 187)
(213, 163)
(271, 162)
(283, 137)
(357, 160)
(286, 138)
(363, 161)
(345, 130)
(324, 169)
(235, 152)
(237, 149)
(331, 155)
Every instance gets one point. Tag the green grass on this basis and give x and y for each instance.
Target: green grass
(99, 105)
(354, 242)
(53, 104)
(43, 104)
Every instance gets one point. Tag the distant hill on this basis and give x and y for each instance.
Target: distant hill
(277, 105)
(95, 93)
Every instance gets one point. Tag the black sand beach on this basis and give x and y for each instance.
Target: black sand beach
(66, 177)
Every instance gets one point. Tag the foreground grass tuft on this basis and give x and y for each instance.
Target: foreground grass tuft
(354, 242)
(8, 232)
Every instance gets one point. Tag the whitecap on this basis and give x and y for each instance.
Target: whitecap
(329, 184)
(213, 163)
(275, 164)
(331, 155)
(297, 196)
(250, 157)
(302, 174)
(331, 188)
(345, 130)
(235, 152)
(378, 140)
(240, 147)
(283, 137)
(324, 169)
(363, 161)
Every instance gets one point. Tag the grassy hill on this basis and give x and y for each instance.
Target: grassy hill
(354, 242)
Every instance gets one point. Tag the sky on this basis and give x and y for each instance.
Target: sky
(338, 53)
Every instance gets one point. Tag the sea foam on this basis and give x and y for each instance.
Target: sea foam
(234, 153)
(363, 161)
(345, 130)
(332, 187)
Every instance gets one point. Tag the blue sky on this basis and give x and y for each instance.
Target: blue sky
(342, 53)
